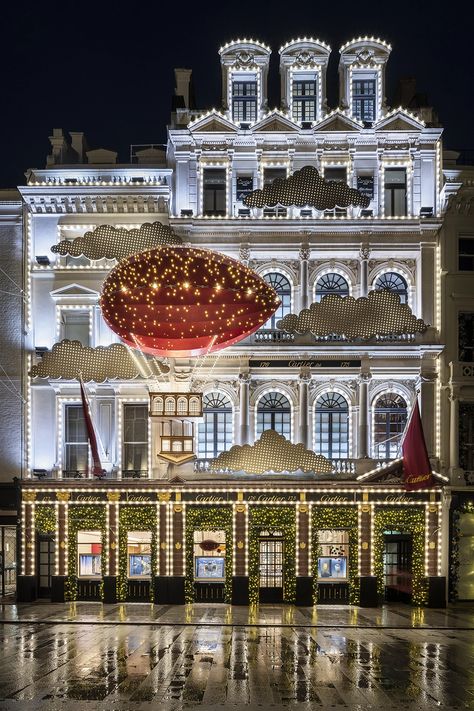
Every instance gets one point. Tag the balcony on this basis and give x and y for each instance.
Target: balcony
(461, 372)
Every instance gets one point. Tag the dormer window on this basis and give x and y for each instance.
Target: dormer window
(244, 99)
(304, 99)
(364, 99)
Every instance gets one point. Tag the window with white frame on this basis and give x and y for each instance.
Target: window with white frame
(214, 191)
(390, 418)
(215, 433)
(76, 446)
(282, 286)
(331, 283)
(75, 325)
(395, 186)
(336, 174)
(274, 413)
(331, 426)
(364, 99)
(392, 281)
(135, 439)
(269, 176)
(304, 99)
(244, 99)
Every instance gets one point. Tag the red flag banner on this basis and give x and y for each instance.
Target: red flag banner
(416, 464)
(97, 466)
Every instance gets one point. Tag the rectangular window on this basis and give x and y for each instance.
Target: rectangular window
(365, 185)
(364, 99)
(466, 337)
(304, 100)
(244, 101)
(466, 253)
(395, 192)
(209, 555)
(214, 191)
(75, 325)
(243, 187)
(269, 175)
(76, 448)
(135, 440)
(338, 175)
(89, 554)
(333, 555)
(139, 554)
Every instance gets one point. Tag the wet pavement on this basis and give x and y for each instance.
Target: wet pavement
(123, 657)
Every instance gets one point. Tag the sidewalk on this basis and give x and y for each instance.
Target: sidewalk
(458, 617)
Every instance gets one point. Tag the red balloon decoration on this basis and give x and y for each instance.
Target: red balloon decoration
(180, 301)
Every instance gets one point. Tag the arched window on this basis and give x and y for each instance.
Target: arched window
(393, 282)
(331, 426)
(282, 287)
(215, 433)
(170, 405)
(332, 283)
(182, 408)
(390, 417)
(274, 413)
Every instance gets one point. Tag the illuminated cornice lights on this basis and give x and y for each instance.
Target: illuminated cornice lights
(208, 114)
(343, 114)
(375, 40)
(307, 40)
(402, 110)
(234, 43)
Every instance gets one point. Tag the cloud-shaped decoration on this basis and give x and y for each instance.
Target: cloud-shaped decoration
(378, 314)
(112, 243)
(68, 359)
(306, 188)
(272, 452)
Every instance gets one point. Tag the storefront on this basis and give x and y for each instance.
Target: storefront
(245, 543)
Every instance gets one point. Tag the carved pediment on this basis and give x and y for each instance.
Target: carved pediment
(74, 290)
(213, 123)
(399, 121)
(337, 122)
(275, 123)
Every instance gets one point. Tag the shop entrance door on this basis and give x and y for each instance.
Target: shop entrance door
(397, 565)
(271, 569)
(46, 559)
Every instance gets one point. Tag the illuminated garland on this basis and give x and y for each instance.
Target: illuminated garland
(337, 517)
(465, 507)
(45, 519)
(135, 518)
(207, 518)
(83, 518)
(410, 521)
(280, 518)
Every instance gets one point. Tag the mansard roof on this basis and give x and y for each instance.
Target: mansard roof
(400, 120)
(275, 121)
(337, 120)
(212, 122)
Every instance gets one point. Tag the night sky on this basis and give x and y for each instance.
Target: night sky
(107, 68)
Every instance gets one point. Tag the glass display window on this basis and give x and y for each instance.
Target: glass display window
(139, 554)
(209, 555)
(333, 555)
(89, 554)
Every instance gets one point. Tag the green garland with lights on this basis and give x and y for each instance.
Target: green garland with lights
(407, 520)
(208, 518)
(83, 518)
(454, 558)
(135, 518)
(278, 518)
(45, 519)
(337, 517)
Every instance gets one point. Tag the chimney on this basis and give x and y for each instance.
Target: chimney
(78, 144)
(406, 91)
(183, 85)
(59, 148)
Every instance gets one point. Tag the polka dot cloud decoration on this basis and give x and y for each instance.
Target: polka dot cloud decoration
(306, 188)
(180, 301)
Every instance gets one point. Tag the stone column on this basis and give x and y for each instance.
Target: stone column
(364, 269)
(304, 257)
(244, 425)
(454, 430)
(363, 431)
(303, 434)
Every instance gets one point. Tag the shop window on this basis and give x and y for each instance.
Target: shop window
(391, 281)
(135, 439)
(76, 448)
(304, 100)
(274, 413)
(466, 437)
(466, 337)
(332, 426)
(244, 101)
(282, 287)
(215, 432)
(466, 253)
(214, 191)
(390, 418)
(395, 192)
(75, 325)
(331, 284)
(209, 556)
(364, 99)
(89, 554)
(333, 557)
(139, 554)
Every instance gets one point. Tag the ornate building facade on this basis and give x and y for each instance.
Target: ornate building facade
(338, 537)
